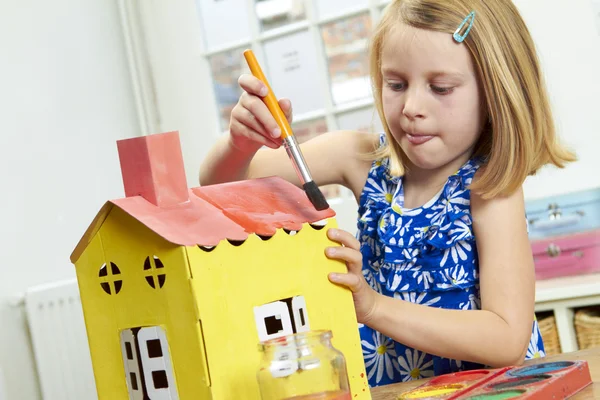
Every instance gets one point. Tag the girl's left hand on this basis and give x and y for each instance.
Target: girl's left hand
(364, 296)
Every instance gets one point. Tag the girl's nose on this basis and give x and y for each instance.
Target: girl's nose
(413, 105)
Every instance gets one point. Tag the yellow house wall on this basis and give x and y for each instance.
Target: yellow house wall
(231, 280)
(127, 243)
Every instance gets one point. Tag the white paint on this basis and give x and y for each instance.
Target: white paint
(130, 363)
(66, 98)
(157, 364)
(300, 314)
(278, 310)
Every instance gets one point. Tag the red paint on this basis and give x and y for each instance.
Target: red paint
(152, 167)
(460, 377)
(263, 205)
(338, 395)
(229, 211)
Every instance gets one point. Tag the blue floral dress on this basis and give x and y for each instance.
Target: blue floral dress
(425, 255)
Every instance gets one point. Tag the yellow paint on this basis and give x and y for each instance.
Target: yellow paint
(206, 305)
(434, 391)
(127, 243)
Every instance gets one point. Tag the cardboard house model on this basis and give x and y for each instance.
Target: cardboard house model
(179, 286)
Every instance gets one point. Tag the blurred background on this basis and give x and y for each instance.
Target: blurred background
(78, 75)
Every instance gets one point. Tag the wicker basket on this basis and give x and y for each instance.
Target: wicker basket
(587, 327)
(549, 333)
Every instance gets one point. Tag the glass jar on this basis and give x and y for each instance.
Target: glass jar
(303, 366)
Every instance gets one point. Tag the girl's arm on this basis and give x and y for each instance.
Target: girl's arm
(499, 333)
(333, 158)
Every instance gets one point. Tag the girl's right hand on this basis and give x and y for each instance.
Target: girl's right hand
(252, 124)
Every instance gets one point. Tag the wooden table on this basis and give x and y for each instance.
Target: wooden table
(592, 356)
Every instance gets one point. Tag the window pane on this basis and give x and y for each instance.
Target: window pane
(345, 45)
(326, 8)
(307, 130)
(275, 13)
(226, 69)
(214, 12)
(364, 120)
(291, 68)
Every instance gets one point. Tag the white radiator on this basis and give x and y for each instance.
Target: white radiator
(60, 342)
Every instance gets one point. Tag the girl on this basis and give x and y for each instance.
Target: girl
(442, 272)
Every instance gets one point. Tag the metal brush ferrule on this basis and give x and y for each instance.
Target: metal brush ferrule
(293, 150)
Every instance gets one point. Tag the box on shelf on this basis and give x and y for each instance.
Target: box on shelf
(575, 254)
(549, 331)
(563, 214)
(587, 327)
(564, 232)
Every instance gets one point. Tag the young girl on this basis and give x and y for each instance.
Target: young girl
(442, 272)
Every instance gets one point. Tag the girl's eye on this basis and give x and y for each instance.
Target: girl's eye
(441, 90)
(395, 86)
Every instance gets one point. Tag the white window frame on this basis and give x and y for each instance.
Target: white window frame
(173, 82)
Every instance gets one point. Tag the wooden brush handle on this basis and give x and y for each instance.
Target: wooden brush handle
(270, 100)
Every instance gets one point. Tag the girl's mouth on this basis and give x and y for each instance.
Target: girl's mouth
(418, 139)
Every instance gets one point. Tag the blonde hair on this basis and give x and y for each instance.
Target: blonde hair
(520, 136)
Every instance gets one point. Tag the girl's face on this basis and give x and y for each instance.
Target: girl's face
(431, 98)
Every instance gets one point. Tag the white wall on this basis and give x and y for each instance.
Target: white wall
(180, 78)
(65, 98)
(568, 41)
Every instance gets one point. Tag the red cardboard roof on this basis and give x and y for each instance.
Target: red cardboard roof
(217, 212)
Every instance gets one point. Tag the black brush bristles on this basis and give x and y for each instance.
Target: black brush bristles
(315, 196)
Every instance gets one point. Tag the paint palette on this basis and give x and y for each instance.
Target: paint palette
(551, 380)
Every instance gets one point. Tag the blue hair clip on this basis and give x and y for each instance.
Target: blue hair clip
(469, 18)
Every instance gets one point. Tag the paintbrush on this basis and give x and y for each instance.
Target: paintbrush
(289, 140)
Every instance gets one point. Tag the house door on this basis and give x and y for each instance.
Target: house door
(147, 362)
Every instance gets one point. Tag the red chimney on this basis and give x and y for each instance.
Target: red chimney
(152, 167)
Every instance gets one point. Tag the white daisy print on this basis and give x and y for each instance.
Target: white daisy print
(380, 190)
(396, 283)
(368, 275)
(412, 297)
(379, 357)
(459, 250)
(425, 277)
(458, 197)
(458, 277)
(412, 365)
(461, 231)
(397, 207)
(534, 351)
(472, 304)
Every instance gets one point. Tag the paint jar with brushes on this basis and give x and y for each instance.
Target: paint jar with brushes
(303, 366)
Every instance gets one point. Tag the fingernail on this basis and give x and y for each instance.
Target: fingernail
(334, 277)
(330, 251)
(264, 91)
(276, 133)
(333, 232)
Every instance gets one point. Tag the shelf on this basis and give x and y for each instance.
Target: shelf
(568, 287)
(561, 296)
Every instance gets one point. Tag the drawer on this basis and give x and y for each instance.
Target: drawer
(575, 254)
